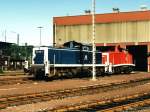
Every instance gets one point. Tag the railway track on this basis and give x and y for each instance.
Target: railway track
(15, 100)
(128, 107)
(9, 81)
(111, 105)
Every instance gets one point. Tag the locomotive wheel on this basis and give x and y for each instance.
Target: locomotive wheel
(85, 73)
(69, 74)
(128, 70)
(64, 74)
(117, 70)
(74, 72)
(40, 74)
(98, 73)
(89, 72)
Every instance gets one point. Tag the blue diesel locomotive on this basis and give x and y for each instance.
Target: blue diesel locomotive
(70, 61)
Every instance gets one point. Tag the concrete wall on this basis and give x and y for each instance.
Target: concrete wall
(137, 31)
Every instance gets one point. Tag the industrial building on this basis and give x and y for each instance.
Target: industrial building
(130, 30)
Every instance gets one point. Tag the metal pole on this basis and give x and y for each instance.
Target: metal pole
(93, 41)
(54, 65)
(18, 39)
(40, 36)
(40, 27)
(5, 35)
(54, 39)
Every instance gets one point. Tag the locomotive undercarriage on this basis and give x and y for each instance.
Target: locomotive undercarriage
(77, 71)
(66, 72)
(122, 69)
(72, 72)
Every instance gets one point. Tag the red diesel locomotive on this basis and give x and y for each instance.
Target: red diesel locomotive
(118, 61)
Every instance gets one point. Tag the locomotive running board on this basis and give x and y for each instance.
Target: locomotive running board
(76, 65)
(68, 65)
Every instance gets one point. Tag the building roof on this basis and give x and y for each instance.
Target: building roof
(103, 18)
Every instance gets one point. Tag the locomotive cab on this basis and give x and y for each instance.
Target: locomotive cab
(40, 63)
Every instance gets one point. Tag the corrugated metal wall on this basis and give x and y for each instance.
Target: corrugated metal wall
(137, 31)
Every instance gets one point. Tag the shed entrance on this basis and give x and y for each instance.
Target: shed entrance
(139, 53)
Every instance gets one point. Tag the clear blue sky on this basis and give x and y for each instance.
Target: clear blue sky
(24, 16)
